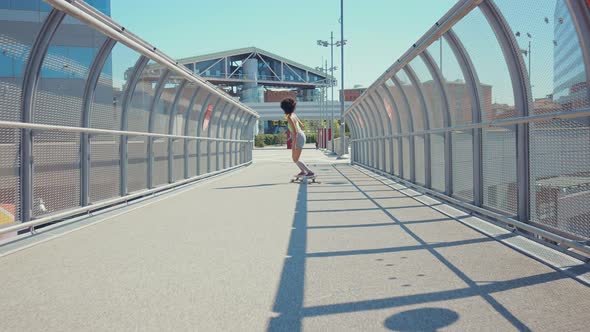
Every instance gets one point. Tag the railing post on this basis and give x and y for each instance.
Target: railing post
(187, 118)
(200, 130)
(522, 97)
(398, 128)
(152, 118)
(439, 80)
(412, 152)
(171, 123)
(125, 104)
(472, 83)
(425, 122)
(30, 83)
(87, 99)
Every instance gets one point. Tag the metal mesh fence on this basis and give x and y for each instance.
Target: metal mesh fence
(76, 111)
(419, 160)
(137, 163)
(104, 167)
(437, 146)
(10, 186)
(463, 165)
(499, 64)
(160, 170)
(177, 159)
(56, 172)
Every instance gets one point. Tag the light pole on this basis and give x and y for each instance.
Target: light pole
(332, 68)
(321, 103)
(527, 53)
(342, 43)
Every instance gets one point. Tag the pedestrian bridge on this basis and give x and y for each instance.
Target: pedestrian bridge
(128, 203)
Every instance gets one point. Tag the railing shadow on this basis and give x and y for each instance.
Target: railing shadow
(289, 305)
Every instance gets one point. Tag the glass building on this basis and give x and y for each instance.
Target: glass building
(569, 82)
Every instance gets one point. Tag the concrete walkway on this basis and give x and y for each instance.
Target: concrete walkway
(250, 251)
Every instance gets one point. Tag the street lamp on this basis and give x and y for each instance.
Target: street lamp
(342, 43)
(527, 53)
(332, 68)
(321, 102)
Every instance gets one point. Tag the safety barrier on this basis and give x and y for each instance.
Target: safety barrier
(490, 109)
(85, 121)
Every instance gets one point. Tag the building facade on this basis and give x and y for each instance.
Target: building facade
(569, 82)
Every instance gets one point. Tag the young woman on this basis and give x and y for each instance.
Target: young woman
(297, 135)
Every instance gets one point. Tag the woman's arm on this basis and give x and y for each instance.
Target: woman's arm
(300, 123)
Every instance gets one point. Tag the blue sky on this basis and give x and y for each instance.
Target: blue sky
(378, 31)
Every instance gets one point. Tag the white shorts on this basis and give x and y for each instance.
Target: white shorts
(300, 140)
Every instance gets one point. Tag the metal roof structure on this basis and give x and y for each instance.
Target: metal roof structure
(227, 67)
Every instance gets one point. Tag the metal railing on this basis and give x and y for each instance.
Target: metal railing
(84, 125)
(464, 115)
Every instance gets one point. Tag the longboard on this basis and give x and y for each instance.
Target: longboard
(299, 179)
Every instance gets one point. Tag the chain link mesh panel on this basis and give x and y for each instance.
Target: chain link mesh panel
(56, 172)
(192, 157)
(463, 165)
(104, 167)
(10, 186)
(437, 153)
(177, 159)
(137, 163)
(160, 170)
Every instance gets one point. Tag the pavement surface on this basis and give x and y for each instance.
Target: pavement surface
(251, 251)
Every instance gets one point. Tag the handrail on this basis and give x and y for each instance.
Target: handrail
(44, 127)
(111, 28)
(579, 113)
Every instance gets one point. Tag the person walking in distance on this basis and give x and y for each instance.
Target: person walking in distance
(288, 106)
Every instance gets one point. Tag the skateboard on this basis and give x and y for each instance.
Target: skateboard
(301, 178)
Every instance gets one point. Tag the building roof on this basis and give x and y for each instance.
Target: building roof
(247, 50)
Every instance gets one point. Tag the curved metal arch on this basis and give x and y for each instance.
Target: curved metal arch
(391, 131)
(364, 144)
(171, 123)
(209, 129)
(30, 82)
(377, 125)
(354, 135)
(226, 145)
(174, 107)
(385, 123)
(396, 111)
(426, 123)
(189, 112)
(239, 132)
(412, 156)
(439, 79)
(150, 146)
(87, 99)
(218, 143)
(200, 131)
(125, 102)
(249, 129)
(369, 133)
(522, 97)
(473, 85)
(234, 135)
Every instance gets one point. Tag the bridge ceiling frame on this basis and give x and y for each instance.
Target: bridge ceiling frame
(408, 110)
